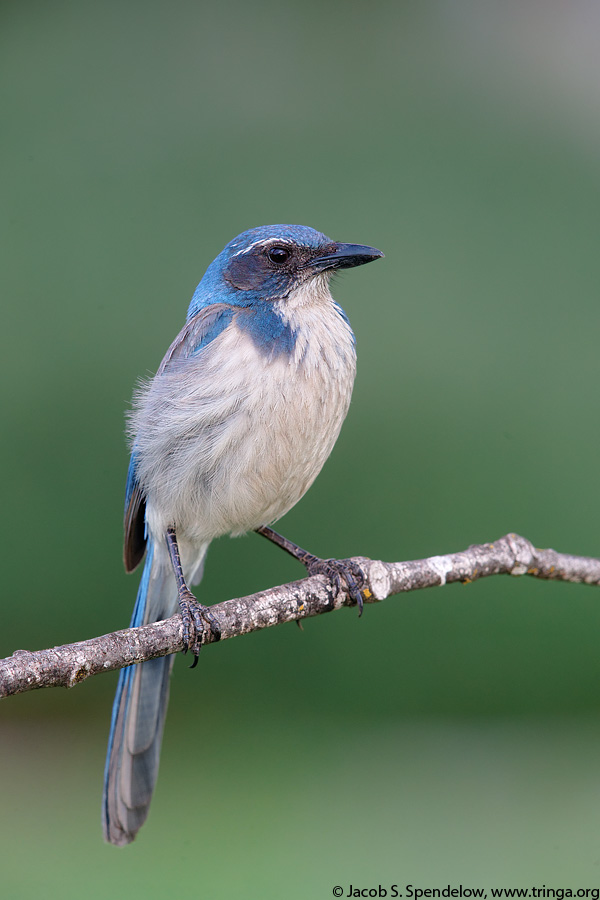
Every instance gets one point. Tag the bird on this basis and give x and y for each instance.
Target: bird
(229, 434)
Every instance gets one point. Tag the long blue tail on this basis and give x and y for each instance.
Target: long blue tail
(138, 716)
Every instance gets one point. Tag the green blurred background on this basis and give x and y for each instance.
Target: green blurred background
(450, 736)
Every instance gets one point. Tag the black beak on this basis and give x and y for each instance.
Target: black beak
(344, 256)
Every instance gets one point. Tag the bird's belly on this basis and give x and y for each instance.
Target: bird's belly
(272, 451)
(232, 462)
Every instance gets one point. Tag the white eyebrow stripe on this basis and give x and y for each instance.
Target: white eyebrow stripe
(262, 243)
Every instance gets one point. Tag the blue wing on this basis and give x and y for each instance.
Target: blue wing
(140, 704)
(199, 331)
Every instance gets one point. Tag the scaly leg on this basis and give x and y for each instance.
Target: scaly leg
(334, 569)
(193, 613)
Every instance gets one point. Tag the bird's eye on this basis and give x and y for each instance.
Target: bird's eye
(279, 255)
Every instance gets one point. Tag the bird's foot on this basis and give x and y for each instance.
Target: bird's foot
(339, 571)
(194, 616)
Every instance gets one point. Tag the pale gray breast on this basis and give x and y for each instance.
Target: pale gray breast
(231, 439)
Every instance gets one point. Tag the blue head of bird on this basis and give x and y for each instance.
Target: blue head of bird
(272, 262)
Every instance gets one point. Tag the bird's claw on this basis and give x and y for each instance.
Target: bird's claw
(339, 571)
(194, 616)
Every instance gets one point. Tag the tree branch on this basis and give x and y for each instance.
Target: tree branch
(70, 664)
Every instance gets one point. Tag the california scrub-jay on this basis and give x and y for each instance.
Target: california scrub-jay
(230, 433)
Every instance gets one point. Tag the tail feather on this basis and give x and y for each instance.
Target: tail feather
(138, 719)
